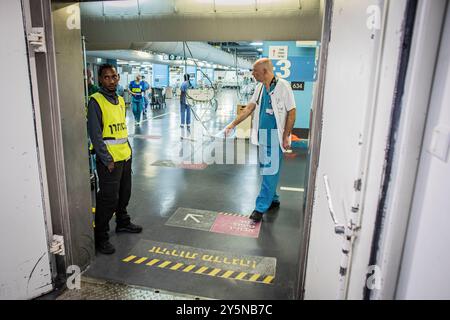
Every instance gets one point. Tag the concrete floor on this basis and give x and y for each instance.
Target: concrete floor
(158, 191)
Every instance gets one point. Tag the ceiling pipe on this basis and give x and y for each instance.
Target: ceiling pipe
(200, 51)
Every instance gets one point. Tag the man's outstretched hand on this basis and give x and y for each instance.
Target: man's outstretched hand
(229, 129)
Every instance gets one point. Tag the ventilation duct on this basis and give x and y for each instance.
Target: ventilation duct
(200, 51)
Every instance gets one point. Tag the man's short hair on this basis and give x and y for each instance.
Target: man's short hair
(104, 67)
(186, 77)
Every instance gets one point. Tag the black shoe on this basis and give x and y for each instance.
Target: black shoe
(274, 205)
(130, 228)
(105, 247)
(256, 216)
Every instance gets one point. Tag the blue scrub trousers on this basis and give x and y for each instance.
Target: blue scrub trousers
(270, 171)
(137, 109)
(185, 113)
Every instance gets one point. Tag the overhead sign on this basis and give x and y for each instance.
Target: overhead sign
(296, 69)
(278, 52)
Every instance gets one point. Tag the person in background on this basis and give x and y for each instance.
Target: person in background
(184, 107)
(137, 101)
(145, 88)
(274, 110)
(92, 88)
(120, 90)
(109, 136)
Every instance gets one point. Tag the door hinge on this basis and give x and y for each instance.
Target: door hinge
(57, 245)
(358, 185)
(36, 40)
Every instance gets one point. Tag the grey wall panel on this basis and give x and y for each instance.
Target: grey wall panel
(69, 69)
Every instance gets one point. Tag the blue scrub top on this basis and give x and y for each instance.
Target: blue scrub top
(184, 87)
(133, 85)
(266, 114)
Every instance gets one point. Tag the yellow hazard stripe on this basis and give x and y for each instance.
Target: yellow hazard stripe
(164, 264)
(201, 270)
(140, 260)
(128, 259)
(177, 266)
(254, 277)
(189, 268)
(152, 262)
(268, 279)
(227, 274)
(214, 272)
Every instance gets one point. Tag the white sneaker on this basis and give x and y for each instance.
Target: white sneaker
(182, 126)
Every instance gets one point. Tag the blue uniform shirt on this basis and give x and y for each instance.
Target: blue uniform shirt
(137, 88)
(267, 119)
(184, 87)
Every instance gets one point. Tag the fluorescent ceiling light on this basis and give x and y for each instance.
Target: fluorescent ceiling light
(260, 49)
(143, 54)
(256, 43)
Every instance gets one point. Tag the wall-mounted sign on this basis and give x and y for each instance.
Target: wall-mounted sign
(278, 52)
(296, 69)
(298, 86)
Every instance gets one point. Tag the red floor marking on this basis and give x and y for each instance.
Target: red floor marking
(236, 225)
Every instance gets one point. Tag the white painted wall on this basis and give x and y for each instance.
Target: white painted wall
(24, 258)
(425, 267)
(361, 73)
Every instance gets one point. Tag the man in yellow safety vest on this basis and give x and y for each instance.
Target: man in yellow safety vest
(109, 136)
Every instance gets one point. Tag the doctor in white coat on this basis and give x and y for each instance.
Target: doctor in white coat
(274, 111)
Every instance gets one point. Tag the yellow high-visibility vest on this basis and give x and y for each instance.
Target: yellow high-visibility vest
(115, 133)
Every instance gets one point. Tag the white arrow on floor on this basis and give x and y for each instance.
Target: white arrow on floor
(193, 217)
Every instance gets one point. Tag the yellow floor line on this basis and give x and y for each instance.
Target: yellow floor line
(140, 260)
(214, 272)
(129, 259)
(201, 270)
(268, 279)
(227, 274)
(241, 275)
(254, 277)
(152, 262)
(177, 266)
(164, 264)
(189, 268)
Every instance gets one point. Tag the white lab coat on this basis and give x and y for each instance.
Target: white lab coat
(282, 102)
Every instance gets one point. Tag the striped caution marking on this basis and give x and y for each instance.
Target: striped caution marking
(199, 269)
(233, 214)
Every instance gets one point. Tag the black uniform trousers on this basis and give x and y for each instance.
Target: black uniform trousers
(113, 196)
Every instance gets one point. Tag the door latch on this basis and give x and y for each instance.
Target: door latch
(57, 245)
(36, 40)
